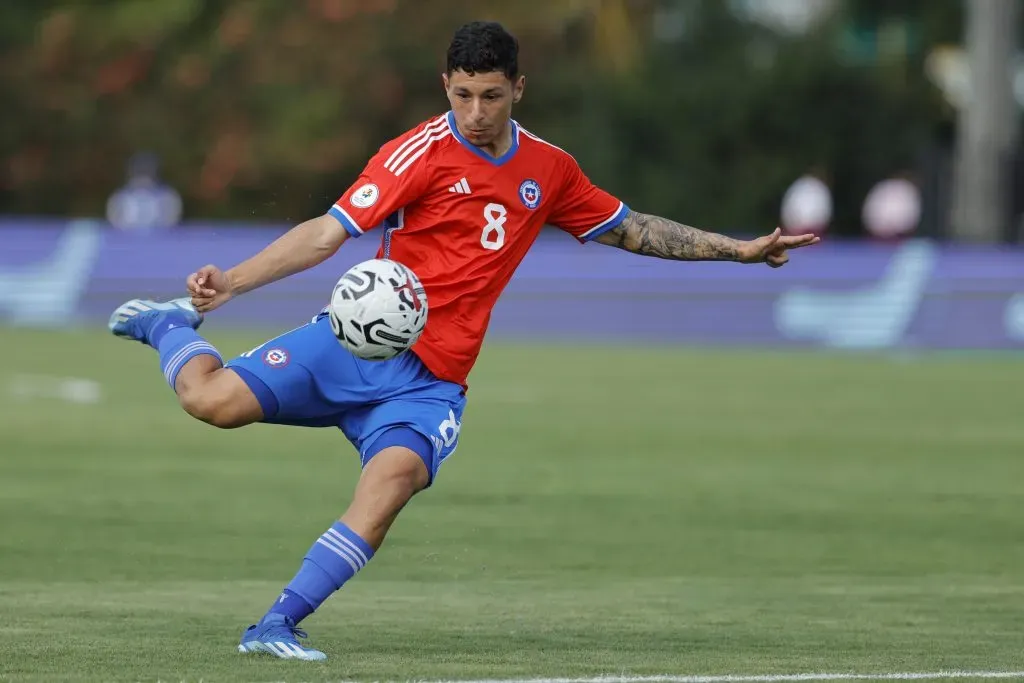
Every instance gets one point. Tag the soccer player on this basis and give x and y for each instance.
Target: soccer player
(460, 199)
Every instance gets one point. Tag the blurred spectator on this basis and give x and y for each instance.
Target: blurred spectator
(144, 203)
(892, 209)
(807, 205)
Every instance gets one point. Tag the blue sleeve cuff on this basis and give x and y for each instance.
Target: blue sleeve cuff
(346, 221)
(611, 223)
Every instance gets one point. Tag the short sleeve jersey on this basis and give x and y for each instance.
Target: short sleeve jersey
(463, 221)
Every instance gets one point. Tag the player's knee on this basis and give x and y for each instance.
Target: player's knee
(213, 405)
(202, 406)
(409, 480)
(399, 471)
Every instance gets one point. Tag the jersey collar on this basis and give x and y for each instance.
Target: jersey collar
(497, 161)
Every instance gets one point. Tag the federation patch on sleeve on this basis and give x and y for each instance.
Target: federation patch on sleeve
(365, 196)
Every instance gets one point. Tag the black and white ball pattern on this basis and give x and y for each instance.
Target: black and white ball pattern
(378, 309)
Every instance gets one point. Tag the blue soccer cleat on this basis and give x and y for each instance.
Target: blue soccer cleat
(136, 319)
(276, 634)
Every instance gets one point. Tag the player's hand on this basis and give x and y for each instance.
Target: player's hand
(772, 249)
(209, 288)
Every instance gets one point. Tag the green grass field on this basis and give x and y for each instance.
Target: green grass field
(610, 511)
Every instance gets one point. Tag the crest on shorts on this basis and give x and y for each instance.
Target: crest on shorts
(529, 193)
(276, 358)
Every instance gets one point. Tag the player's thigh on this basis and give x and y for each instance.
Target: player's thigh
(428, 426)
(283, 376)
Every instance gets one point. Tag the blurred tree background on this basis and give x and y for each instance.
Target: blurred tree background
(266, 110)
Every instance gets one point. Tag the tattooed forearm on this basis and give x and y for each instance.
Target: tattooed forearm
(654, 236)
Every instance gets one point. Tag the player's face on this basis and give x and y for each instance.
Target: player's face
(482, 103)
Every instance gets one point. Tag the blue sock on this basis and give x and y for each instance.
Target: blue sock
(333, 559)
(177, 345)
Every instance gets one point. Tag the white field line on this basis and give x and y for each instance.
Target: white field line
(763, 678)
(69, 389)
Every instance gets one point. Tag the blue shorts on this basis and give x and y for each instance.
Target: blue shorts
(315, 382)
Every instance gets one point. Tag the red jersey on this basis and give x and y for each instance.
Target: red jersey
(463, 221)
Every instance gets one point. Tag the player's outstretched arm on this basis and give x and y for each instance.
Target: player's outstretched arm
(649, 235)
(302, 247)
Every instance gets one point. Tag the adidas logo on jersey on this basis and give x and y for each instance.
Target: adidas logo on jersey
(461, 187)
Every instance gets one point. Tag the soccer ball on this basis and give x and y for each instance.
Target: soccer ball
(378, 309)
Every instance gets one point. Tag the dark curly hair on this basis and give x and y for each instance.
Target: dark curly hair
(483, 46)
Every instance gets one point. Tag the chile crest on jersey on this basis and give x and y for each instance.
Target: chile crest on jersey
(529, 193)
